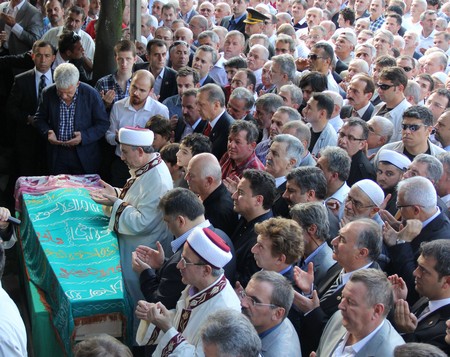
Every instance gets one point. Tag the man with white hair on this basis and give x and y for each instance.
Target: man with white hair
(412, 92)
(416, 200)
(380, 133)
(411, 42)
(366, 52)
(257, 56)
(345, 45)
(383, 41)
(428, 23)
(335, 120)
(201, 266)
(434, 62)
(73, 119)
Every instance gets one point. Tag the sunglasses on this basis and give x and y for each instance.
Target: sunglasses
(314, 57)
(412, 127)
(385, 86)
(407, 69)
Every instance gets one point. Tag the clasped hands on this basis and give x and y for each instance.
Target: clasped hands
(52, 139)
(156, 314)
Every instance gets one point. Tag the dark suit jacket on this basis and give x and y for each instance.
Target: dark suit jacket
(280, 206)
(219, 135)
(240, 26)
(219, 210)
(22, 102)
(90, 119)
(404, 256)
(180, 128)
(192, 14)
(340, 66)
(360, 169)
(169, 81)
(165, 284)
(430, 329)
(31, 21)
(244, 238)
(209, 80)
(346, 112)
(312, 324)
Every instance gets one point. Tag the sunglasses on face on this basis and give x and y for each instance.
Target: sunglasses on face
(314, 57)
(407, 69)
(412, 127)
(383, 86)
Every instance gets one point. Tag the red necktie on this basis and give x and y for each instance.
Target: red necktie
(207, 130)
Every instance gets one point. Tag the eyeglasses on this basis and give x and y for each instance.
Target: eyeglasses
(184, 263)
(177, 43)
(383, 86)
(243, 295)
(350, 137)
(314, 57)
(407, 69)
(412, 127)
(356, 204)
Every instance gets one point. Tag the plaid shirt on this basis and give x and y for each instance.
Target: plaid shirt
(66, 118)
(375, 25)
(109, 82)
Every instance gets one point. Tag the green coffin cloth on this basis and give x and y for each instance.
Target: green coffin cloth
(74, 258)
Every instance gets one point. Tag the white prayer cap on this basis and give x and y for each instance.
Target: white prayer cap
(210, 247)
(136, 136)
(372, 190)
(394, 158)
(440, 76)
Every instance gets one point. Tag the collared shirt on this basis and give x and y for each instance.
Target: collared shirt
(434, 305)
(352, 350)
(363, 110)
(178, 242)
(279, 181)
(230, 168)
(218, 72)
(58, 60)
(88, 43)
(158, 82)
(66, 118)
(17, 29)
(396, 117)
(426, 222)
(216, 119)
(377, 24)
(185, 17)
(446, 200)
(189, 129)
(265, 333)
(123, 114)
(109, 82)
(346, 276)
(235, 20)
(310, 257)
(336, 122)
(425, 42)
(37, 79)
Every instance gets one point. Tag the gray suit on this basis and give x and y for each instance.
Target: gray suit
(29, 18)
(381, 344)
(328, 137)
(281, 342)
(322, 262)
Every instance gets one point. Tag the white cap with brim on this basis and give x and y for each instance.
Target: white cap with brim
(210, 247)
(372, 190)
(136, 136)
(394, 158)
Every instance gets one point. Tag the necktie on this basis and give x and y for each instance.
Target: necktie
(333, 287)
(425, 310)
(355, 114)
(41, 87)
(207, 130)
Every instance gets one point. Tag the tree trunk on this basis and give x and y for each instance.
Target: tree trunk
(109, 31)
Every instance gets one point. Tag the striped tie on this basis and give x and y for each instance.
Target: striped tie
(332, 288)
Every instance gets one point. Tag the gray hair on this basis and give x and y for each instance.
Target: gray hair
(150, 20)
(101, 345)
(232, 333)
(416, 349)
(294, 147)
(238, 34)
(282, 293)
(379, 288)
(215, 93)
(269, 102)
(444, 158)
(287, 65)
(363, 66)
(337, 98)
(370, 237)
(413, 89)
(338, 161)
(265, 51)
(66, 75)
(291, 113)
(371, 48)
(209, 49)
(425, 13)
(244, 94)
(286, 39)
(211, 169)
(386, 126)
(309, 213)
(209, 34)
(294, 91)
(302, 131)
(434, 167)
(419, 191)
(260, 36)
(386, 33)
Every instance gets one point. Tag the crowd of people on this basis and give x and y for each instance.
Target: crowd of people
(277, 173)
